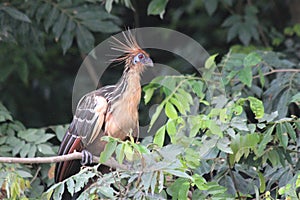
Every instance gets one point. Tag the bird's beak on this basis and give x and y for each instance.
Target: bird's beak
(148, 62)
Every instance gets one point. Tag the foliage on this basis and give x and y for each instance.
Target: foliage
(232, 132)
(21, 181)
(215, 150)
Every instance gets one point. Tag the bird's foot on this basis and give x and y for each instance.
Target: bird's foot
(87, 158)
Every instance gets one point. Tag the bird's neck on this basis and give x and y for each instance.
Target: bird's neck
(131, 80)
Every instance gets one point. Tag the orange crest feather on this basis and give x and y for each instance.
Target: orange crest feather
(130, 47)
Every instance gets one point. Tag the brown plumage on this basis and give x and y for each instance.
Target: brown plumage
(111, 110)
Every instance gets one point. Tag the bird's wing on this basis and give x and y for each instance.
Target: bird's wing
(87, 124)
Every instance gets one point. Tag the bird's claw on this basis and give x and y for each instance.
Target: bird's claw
(87, 158)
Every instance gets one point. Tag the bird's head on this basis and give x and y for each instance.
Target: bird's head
(134, 56)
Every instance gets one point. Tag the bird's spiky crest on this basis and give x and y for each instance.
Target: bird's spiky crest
(129, 47)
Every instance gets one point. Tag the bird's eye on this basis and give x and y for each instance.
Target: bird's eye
(141, 56)
(138, 58)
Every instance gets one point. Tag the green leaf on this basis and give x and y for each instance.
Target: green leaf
(148, 94)
(244, 34)
(178, 173)
(282, 135)
(67, 36)
(261, 77)
(224, 145)
(71, 186)
(262, 182)
(120, 153)
(290, 131)
(42, 11)
(210, 6)
(108, 5)
(16, 14)
(51, 18)
(140, 148)
(200, 182)
(296, 98)
(267, 137)
(155, 115)
(170, 111)
(175, 188)
(45, 149)
(231, 20)
(186, 95)
(197, 87)
(107, 191)
(252, 59)
(128, 151)
(178, 105)
(59, 26)
(157, 7)
(210, 62)
(59, 191)
(273, 157)
(23, 174)
(24, 150)
(282, 105)
(183, 101)
(109, 149)
(32, 151)
(85, 39)
(161, 181)
(214, 128)
(159, 137)
(233, 31)
(60, 132)
(101, 26)
(153, 182)
(44, 138)
(241, 145)
(146, 180)
(183, 191)
(171, 128)
(245, 75)
(257, 107)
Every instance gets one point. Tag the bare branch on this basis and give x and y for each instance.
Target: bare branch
(53, 159)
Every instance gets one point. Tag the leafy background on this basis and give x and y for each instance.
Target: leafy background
(241, 142)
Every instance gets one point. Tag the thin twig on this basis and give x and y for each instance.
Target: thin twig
(277, 71)
(54, 159)
(36, 174)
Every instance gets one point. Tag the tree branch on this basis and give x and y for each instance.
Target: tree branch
(54, 159)
(277, 71)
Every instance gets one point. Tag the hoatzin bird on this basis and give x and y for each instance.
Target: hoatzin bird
(111, 110)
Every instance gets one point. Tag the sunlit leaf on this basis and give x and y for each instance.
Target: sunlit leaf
(252, 59)
(159, 137)
(120, 153)
(109, 149)
(155, 115)
(170, 111)
(257, 107)
(148, 94)
(262, 182)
